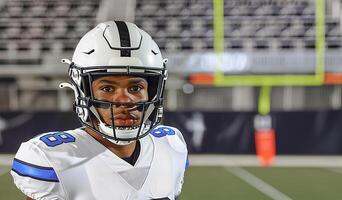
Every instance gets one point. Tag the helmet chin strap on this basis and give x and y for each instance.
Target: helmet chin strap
(121, 133)
(121, 143)
(126, 133)
(130, 132)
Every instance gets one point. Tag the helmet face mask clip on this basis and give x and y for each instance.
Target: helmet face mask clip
(95, 57)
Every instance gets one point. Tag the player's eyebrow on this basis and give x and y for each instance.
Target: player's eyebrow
(137, 80)
(134, 80)
(105, 81)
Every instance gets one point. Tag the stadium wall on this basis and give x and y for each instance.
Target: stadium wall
(304, 132)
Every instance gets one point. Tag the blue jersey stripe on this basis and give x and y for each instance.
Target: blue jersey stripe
(37, 172)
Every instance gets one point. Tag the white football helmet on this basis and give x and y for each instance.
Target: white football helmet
(117, 48)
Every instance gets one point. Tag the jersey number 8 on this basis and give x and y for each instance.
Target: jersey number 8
(55, 139)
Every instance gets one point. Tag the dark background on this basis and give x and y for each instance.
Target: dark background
(309, 132)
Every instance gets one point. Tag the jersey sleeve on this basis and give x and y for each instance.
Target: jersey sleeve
(33, 175)
(179, 145)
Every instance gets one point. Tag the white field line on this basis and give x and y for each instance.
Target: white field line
(5, 163)
(258, 184)
(335, 170)
(6, 159)
(251, 160)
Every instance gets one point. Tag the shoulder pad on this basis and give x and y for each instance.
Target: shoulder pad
(30, 153)
(172, 135)
(33, 174)
(31, 162)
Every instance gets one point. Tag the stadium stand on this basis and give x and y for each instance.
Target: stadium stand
(46, 26)
(30, 29)
(34, 35)
(257, 24)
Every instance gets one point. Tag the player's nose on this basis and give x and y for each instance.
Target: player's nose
(122, 96)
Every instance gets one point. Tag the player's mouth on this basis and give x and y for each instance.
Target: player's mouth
(125, 120)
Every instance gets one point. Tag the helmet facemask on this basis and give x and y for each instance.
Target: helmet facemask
(87, 106)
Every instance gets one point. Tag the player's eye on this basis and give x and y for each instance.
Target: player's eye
(107, 89)
(135, 88)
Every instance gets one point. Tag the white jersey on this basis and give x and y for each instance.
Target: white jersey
(73, 165)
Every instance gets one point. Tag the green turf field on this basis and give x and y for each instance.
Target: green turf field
(245, 183)
(7, 188)
(294, 182)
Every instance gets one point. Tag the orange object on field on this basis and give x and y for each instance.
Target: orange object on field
(265, 146)
(201, 79)
(333, 78)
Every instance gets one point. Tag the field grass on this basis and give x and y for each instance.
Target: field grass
(245, 183)
(216, 183)
(7, 188)
(303, 183)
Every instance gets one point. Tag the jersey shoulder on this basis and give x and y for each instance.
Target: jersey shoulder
(33, 174)
(33, 158)
(170, 136)
(57, 138)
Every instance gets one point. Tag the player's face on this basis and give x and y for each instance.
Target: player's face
(122, 89)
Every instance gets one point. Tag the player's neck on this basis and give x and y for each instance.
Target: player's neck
(122, 151)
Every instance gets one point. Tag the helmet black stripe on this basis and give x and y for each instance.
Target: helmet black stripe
(125, 40)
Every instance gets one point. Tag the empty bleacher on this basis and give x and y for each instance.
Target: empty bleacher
(248, 24)
(35, 35)
(29, 29)
(56, 26)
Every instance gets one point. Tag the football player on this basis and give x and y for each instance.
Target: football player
(118, 77)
